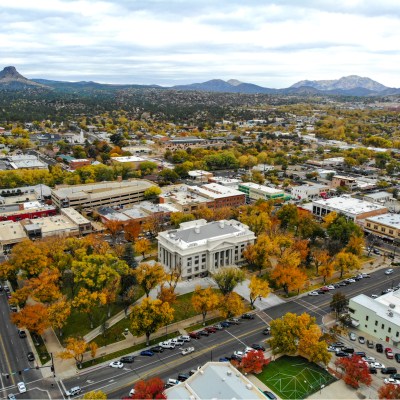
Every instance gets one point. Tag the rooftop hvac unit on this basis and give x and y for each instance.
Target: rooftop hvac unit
(390, 313)
(249, 386)
(391, 305)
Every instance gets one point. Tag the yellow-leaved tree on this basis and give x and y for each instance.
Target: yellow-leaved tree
(149, 276)
(258, 288)
(75, 348)
(95, 395)
(205, 300)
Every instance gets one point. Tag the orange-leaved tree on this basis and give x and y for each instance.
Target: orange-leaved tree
(153, 388)
(258, 288)
(149, 276)
(253, 362)
(33, 317)
(75, 348)
(356, 371)
(389, 391)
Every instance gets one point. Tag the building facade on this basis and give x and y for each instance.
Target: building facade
(254, 191)
(200, 247)
(93, 195)
(385, 225)
(310, 192)
(378, 317)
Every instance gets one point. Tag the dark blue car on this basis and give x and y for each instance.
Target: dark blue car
(223, 359)
(147, 353)
(225, 324)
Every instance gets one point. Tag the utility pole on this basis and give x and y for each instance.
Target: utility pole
(52, 365)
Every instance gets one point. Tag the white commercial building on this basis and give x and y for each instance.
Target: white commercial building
(350, 207)
(215, 380)
(255, 191)
(378, 317)
(200, 247)
(309, 192)
(200, 175)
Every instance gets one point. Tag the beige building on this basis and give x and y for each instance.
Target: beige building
(11, 233)
(93, 195)
(385, 225)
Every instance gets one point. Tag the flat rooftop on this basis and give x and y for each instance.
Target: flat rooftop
(390, 220)
(49, 225)
(74, 216)
(11, 232)
(215, 380)
(261, 188)
(127, 159)
(349, 204)
(99, 190)
(216, 191)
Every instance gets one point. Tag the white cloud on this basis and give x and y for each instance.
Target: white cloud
(271, 43)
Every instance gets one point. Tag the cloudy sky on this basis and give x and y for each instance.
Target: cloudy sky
(168, 42)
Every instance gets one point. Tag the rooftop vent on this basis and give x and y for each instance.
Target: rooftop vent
(229, 373)
(197, 229)
(391, 305)
(249, 386)
(390, 313)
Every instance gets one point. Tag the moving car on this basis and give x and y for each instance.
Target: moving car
(21, 387)
(21, 333)
(313, 293)
(30, 356)
(188, 350)
(389, 271)
(269, 395)
(397, 357)
(11, 396)
(73, 391)
(266, 331)
(116, 364)
(247, 316)
(146, 353)
(257, 346)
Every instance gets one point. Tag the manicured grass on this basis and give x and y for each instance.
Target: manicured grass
(41, 349)
(113, 333)
(183, 307)
(128, 350)
(200, 325)
(294, 377)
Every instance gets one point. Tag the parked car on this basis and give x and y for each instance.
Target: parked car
(116, 364)
(177, 342)
(211, 329)
(30, 356)
(359, 353)
(185, 338)
(389, 370)
(183, 377)
(188, 350)
(204, 333)
(313, 293)
(225, 324)
(172, 382)
(320, 291)
(389, 353)
(233, 321)
(369, 359)
(269, 395)
(379, 348)
(361, 339)
(223, 359)
(248, 316)
(376, 251)
(239, 354)
(350, 280)
(373, 370)
(156, 349)
(391, 381)
(147, 353)
(370, 344)
(366, 275)
(376, 365)
(324, 289)
(331, 287)
(194, 335)
(257, 346)
(21, 333)
(218, 327)
(167, 345)
(342, 354)
(349, 350)
(352, 336)
(397, 357)
(395, 376)
(13, 308)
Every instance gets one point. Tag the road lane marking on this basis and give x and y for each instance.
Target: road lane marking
(236, 338)
(7, 360)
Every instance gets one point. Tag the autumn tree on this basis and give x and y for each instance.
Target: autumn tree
(33, 317)
(166, 294)
(320, 258)
(58, 313)
(93, 346)
(253, 362)
(129, 256)
(339, 303)
(228, 278)
(258, 288)
(355, 245)
(152, 193)
(205, 300)
(179, 217)
(345, 262)
(75, 348)
(149, 316)
(149, 276)
(114, 228)
(95, 395)
(389, 391)
(230, 305)
(86, 301)
(356, 371)
(153, 388)
(294, 333)
(259, 254)
(142, 246)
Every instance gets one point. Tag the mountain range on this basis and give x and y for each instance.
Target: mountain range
(352, 85)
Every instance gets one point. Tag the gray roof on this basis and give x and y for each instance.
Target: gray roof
(211, 230)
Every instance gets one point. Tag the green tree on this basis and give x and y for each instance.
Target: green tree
(228, 278)
(339, 303)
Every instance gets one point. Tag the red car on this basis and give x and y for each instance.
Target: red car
(195, 335)
(210, 329)
(389, 353)
(325, 289)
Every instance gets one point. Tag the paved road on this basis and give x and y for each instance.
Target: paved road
(117, 383)
(13, 358)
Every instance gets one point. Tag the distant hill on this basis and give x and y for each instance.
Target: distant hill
(10, 78)
(350, 82)
(353, 85)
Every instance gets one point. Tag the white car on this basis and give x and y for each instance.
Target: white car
(177, 341)
(131, 392)
(351, 280)
(173, 382)
(376, 365)
(239, 354)
(334, 349)
(391, 381)
(248, 349)
(369, 359)
(188, 350)
(167, 345)
(374, 296)
(352, 336)
(313, 293)
(389, 271)
(21, 387)
(331, 287)
(185, 338)
(116, 364)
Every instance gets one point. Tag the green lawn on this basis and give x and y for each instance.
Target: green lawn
(294, 377)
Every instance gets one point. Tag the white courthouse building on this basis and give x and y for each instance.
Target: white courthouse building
(378, 317)
(202, 247)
